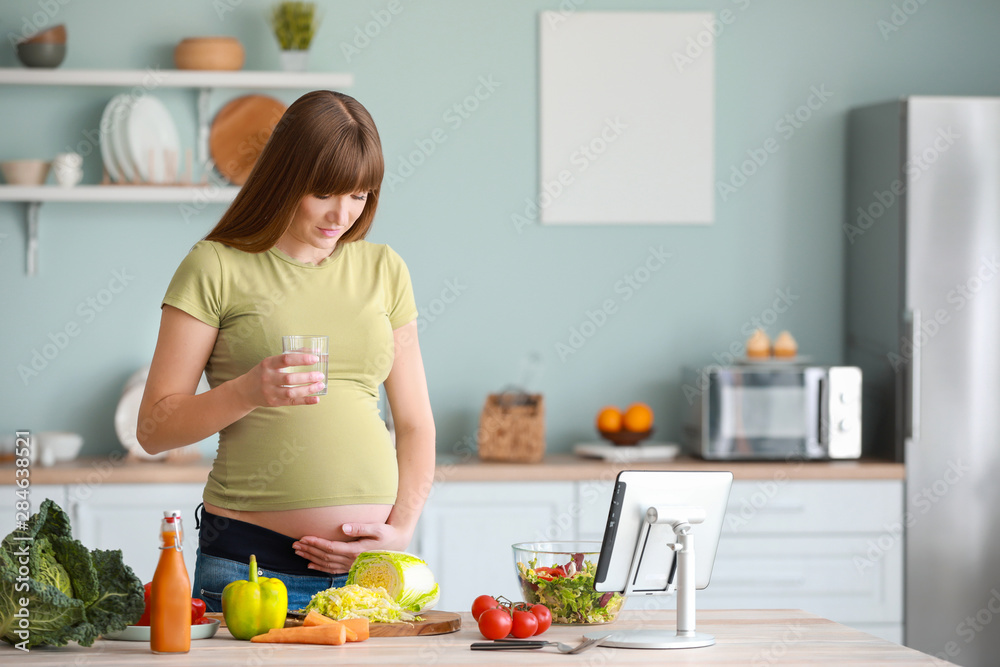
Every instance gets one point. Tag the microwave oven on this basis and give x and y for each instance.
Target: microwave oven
(773, 411)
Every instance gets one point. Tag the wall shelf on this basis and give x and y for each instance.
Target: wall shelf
(154, 77)
(147, 80)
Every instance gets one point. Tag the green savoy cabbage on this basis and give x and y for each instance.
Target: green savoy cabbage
(53, 590)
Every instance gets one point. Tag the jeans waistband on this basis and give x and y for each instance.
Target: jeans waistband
(236, 540)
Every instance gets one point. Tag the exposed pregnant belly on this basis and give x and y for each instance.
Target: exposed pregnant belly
(322, 522)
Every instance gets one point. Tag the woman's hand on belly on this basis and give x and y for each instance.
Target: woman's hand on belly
(335, 557)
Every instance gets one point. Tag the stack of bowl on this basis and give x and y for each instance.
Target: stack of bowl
(46, 49)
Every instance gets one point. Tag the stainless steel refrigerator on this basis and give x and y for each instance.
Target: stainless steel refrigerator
(923, 322)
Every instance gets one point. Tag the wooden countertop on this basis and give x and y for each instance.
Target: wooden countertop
(119, 469)
(743, 637)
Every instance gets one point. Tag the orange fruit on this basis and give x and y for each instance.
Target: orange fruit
(609, 419)
(638, 418)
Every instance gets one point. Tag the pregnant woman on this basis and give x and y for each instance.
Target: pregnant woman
(303, 482)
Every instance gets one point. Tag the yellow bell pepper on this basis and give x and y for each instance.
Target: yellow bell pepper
(253, 607)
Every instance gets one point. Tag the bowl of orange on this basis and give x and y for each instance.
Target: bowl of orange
(628, 427)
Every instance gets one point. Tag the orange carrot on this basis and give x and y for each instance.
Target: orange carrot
(357, 628)
(333, 634)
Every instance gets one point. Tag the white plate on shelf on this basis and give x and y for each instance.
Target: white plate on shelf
(119, 142)
(140, 633)
(127, 413)
(644, 451)
(152, 141)
(775, 361)
(109, 119)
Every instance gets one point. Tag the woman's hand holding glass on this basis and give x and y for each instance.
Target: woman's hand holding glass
(267, 385)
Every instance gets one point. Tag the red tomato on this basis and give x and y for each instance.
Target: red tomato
(204, 620)
(524, 624)
(548, 573)
(494, 624)
(197, 609)
(481, 604)
(144, 619)
(544, 617)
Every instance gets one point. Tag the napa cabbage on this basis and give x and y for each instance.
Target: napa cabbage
(408, 579)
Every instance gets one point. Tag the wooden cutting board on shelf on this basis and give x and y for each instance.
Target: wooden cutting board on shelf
(433, 623)
(239, 132)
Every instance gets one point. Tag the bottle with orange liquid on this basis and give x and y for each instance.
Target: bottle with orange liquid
(170, 595)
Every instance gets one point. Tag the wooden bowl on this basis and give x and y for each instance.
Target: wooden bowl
(54, 35)
(624, 437)
(25, 172)
(209, 53)
(41, 54)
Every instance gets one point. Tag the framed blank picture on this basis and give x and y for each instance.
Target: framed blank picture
(627, 117)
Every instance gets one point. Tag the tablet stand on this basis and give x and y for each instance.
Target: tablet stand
(680, 519)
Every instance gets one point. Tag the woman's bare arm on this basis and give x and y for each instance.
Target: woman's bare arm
(172, 416)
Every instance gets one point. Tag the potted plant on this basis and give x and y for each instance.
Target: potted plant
(294, 25)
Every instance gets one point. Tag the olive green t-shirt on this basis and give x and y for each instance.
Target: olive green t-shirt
(337, 452)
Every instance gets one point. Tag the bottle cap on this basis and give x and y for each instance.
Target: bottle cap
(171, 513)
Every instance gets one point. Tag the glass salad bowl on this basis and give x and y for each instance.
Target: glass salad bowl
(560, 575)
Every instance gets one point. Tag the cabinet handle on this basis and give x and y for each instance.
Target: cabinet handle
(913, 408)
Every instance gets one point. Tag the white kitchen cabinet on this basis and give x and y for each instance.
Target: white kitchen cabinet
(832, 548)
(36, 495)
(128, 516)
(467, 529)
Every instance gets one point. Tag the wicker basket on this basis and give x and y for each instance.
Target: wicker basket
(512, 428)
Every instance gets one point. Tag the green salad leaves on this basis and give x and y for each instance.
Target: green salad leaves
(53, 590)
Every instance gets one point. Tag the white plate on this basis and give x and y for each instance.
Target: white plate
(647, 451)
(127, 417)
(774, 361)
(140, 633)
(109, 119)
(150, 135)
(119, 142)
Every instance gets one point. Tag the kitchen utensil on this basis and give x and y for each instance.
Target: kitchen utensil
(239, 132)
(41, 54)
(647, 451)
(140, 633)
(569, 574)
(68, 168)
(209, 53)
(54, 35)
(152, 141)
(25, 172)
(431, 623)
(521, 644)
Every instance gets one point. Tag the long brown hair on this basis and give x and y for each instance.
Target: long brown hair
(325, 144)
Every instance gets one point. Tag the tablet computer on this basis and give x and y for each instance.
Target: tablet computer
(635, 492)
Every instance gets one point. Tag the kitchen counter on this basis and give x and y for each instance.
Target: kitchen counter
(744, 637)
(118, 469)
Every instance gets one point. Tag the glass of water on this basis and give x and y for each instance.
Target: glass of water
(317, 345)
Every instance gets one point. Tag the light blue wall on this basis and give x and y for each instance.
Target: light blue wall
(520, 292)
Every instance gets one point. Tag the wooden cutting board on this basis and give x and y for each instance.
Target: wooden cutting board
(433, 623)
(239, 132)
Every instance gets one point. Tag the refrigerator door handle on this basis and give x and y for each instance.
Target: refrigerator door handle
(913, 409)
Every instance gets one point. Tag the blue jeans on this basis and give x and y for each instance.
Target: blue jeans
(211, 574)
